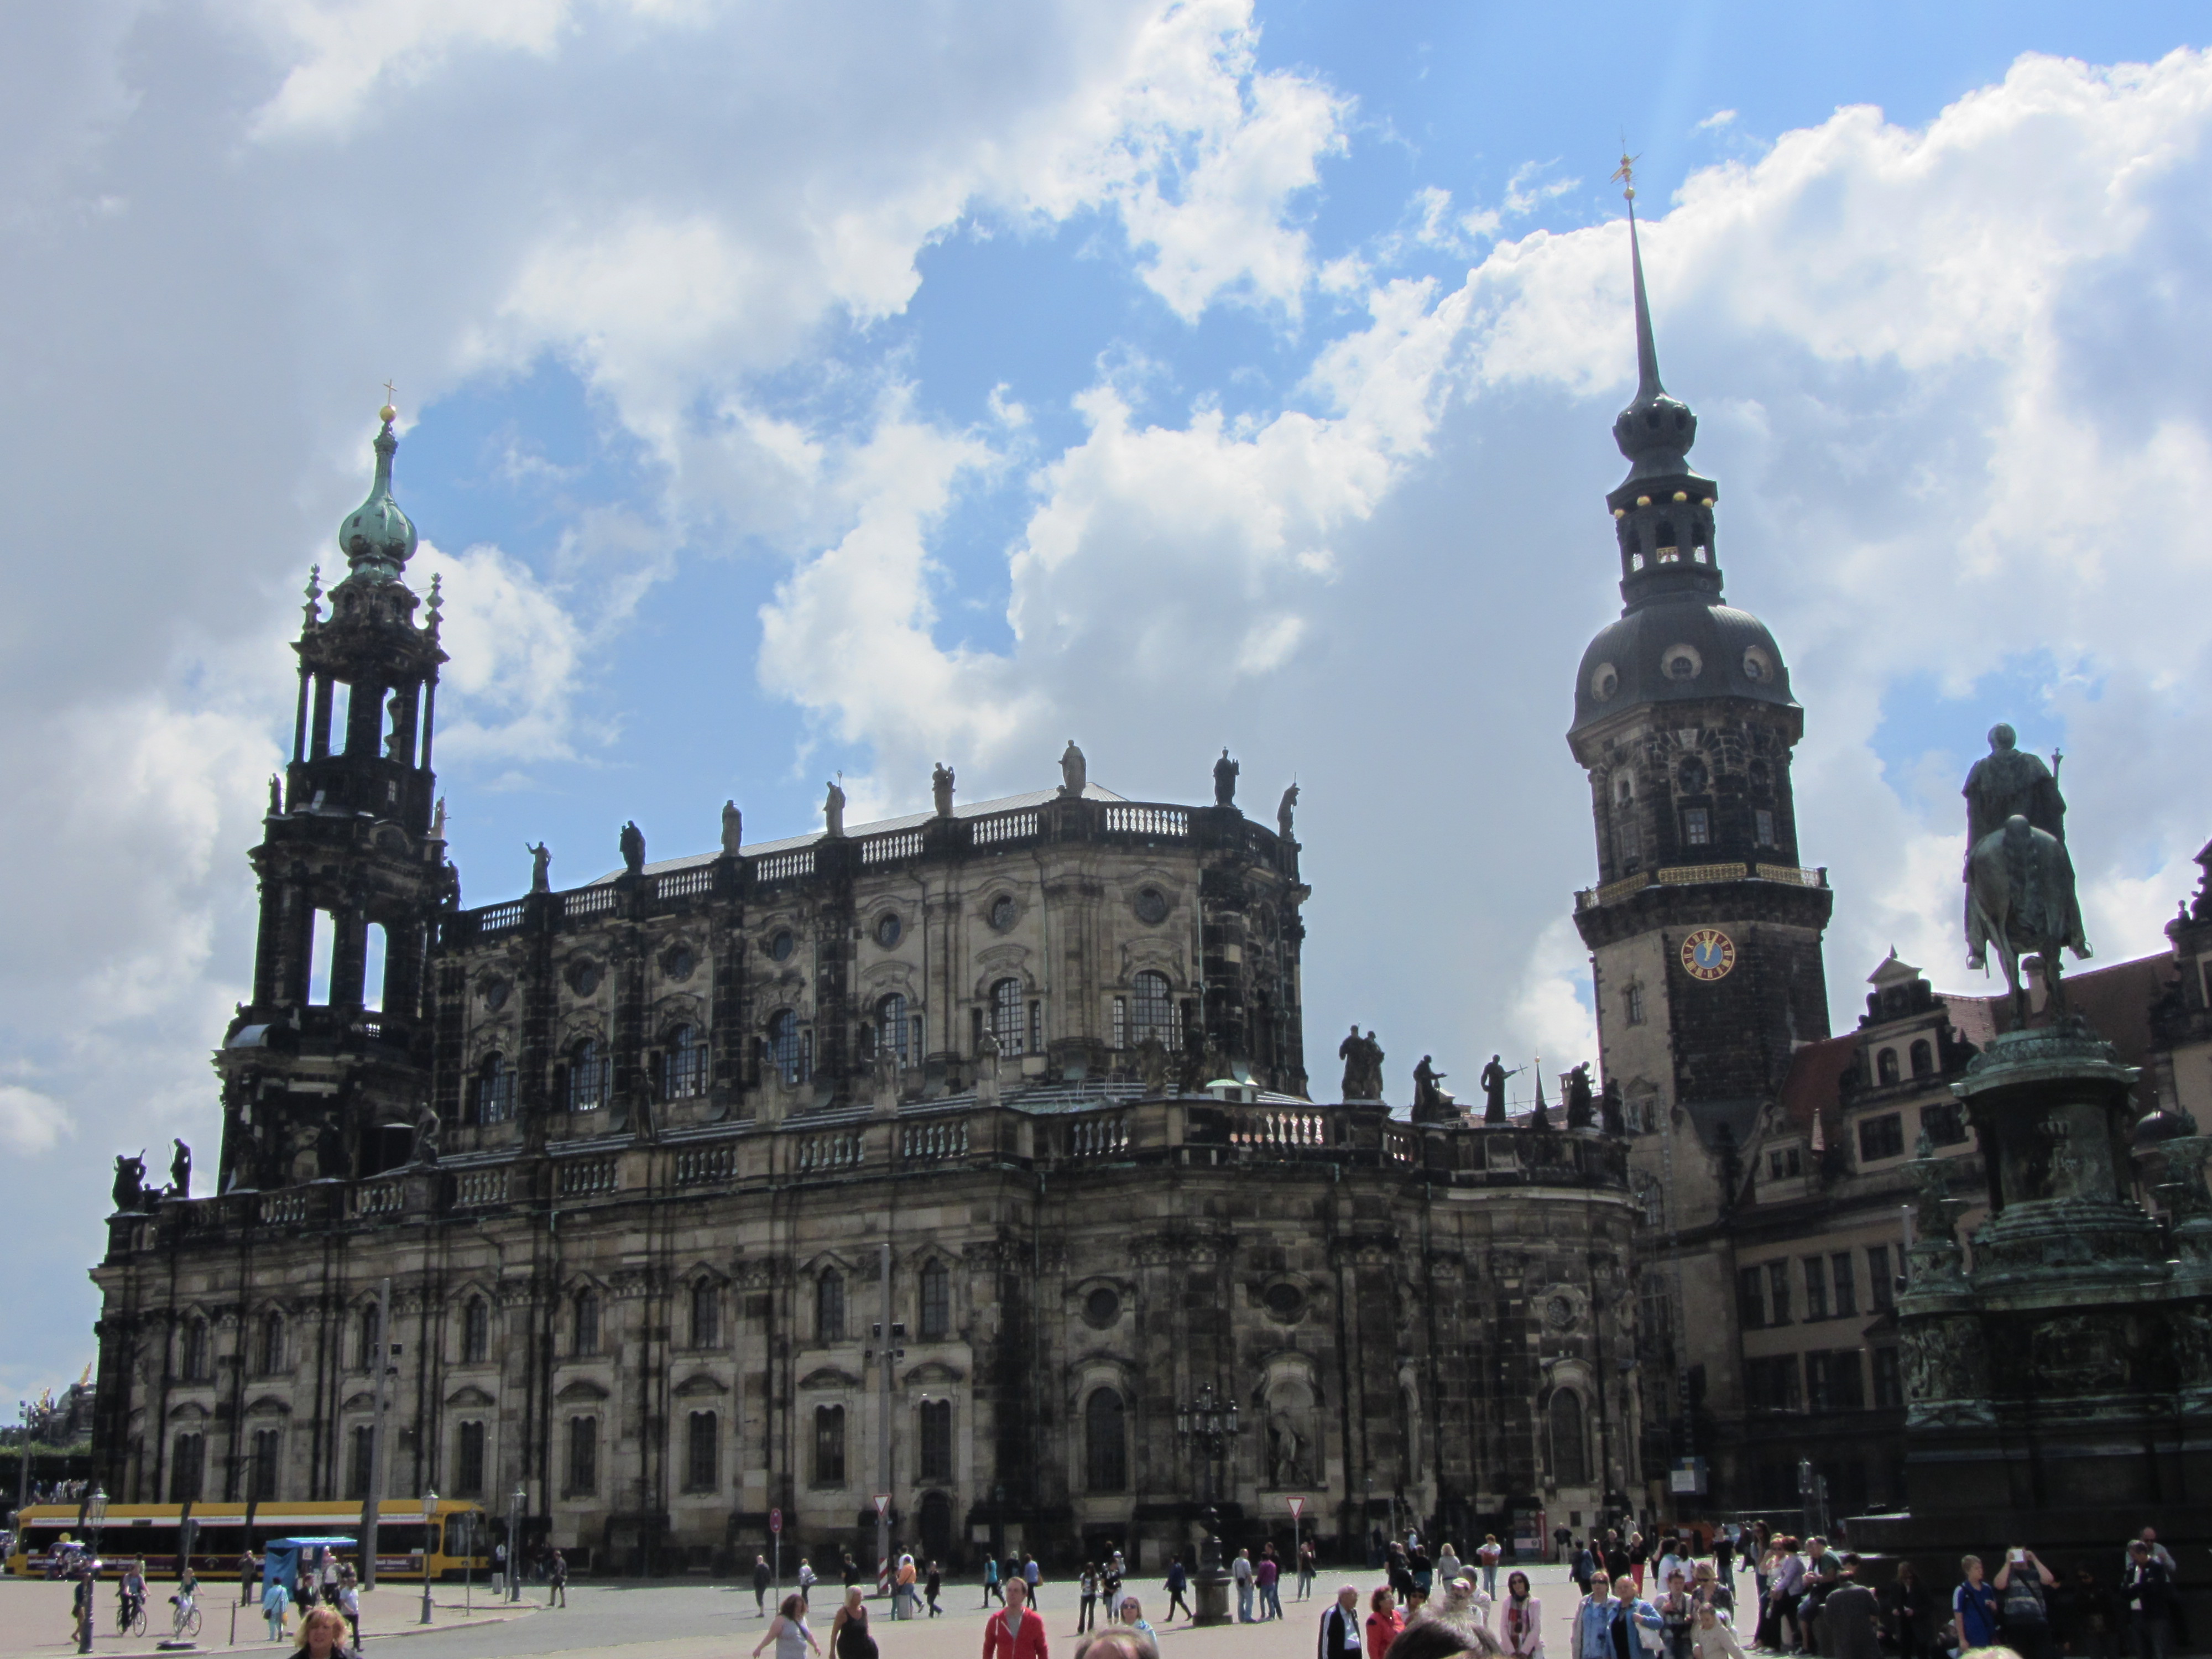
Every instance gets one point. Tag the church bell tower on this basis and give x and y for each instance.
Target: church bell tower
(325, 1072)
(1703, 927)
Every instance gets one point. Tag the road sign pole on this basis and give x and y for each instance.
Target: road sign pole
(775, 1547)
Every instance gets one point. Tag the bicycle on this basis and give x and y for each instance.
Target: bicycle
(185, 1623)
(132, 1620)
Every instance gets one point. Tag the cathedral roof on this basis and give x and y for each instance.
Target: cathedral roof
(1635, 661)
(974, 809)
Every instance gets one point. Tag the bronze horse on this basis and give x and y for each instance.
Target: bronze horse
(2020, 898)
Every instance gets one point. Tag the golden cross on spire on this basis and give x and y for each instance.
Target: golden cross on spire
(391, 393)
(1625, 175)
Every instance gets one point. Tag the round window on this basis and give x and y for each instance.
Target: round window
(1284, 1301)
(1681, 662)
(681, 962)
(496, 993)
(1003, 912)
(783, 944)
(1152, 905)
(888, 929)
(1102, 1307)
(584, 978)
(1692, 776)
(1604, 682)
(1757, 664)
(1559, 1313)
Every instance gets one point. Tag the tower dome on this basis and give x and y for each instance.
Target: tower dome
(377, 538)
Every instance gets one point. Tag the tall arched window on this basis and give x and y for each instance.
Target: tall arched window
(705, 1313)
(1153, 1005)
(1009, 1024)
(1924, 1058)
(494, 1091)
(1885, 1066)
(936, 1440)
(272, 1343)
(365, 1352)
(196, 1360)
(784, 1047)
(587, 1077)
(891, 1031)
(1570, 1454)
(684, 1067)
(936, 1302)
(584, 1324)
(1105, 1442)
(829, 1307)
(701, 1471)
(476, 1331)
(829, 1445)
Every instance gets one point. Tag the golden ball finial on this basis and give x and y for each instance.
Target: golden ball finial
(387, 414)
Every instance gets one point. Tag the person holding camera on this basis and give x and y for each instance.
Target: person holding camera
(2020, 1585)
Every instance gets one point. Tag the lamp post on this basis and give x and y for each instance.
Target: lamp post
(515, 1500)
(1207, 1425)
(95, 1518)
(429, 1517)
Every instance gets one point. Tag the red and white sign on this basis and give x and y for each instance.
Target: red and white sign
(883, 1502)
(1297, 1508)
(775, 1520)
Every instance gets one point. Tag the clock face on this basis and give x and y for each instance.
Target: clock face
(1708, 953)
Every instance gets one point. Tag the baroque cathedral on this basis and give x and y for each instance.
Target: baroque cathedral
(965, 1166)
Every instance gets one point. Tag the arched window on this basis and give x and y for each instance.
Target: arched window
(784, 1047)
(272, 1343)
(584, 1325)
(365, 1352)
(1885, 1066)
(829, 1445)
(587, 1077)
(583, 1457)
(1155, 1014)
(829, 1307)
(892, 1035)
(705, 1313)
(936, 1302)
(684, 1067)
(936, 1440)
(494, 1091)
(700, 1470)
(476, 1331)
(195, 1359)
(1009, 1024)
(1570, 1458)
(1924, 1059)
(1105, 1442)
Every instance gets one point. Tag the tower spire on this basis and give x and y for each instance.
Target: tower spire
(1648, 388)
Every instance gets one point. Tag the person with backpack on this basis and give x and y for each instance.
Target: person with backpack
(2024, 1606)
(1974, 1609)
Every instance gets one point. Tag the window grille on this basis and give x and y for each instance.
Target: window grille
(495, 1090)
(587, 1077)
(701, 1458)
(705, 1313)
(476, 1331)
(272, 1343)
(892, 1029)
(585, 1331)
(469, 1461)
(829, 1445)
(1007, 1024)
(936, 1302)
(583, 1457)
(1157, 1013)
(936, 1440)
(1696, 827)
(785, 1051)
(684, 1067)
(830, 1308)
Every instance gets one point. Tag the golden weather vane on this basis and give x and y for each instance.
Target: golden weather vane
(1625, 175)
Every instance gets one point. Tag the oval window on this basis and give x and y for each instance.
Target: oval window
(494, 994)
(783, 944)
(1102, 1307)
(1003, 912)
(681, 962)
(585, 978)
(1758, 665)
(1152, 905)
(1604, 682)
(1284, 1301)
(888, 929)
(1681, 662)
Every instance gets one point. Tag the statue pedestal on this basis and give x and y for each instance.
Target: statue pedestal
(1210, 1597)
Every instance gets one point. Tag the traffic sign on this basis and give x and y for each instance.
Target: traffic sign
(775, 1520)
(1297, 1508)
(883, 1502)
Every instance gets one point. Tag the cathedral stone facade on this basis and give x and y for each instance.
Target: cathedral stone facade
(947, 1160)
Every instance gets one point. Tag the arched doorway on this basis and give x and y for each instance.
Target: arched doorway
(937, 1527)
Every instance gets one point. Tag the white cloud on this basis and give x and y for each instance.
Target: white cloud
(30, 1122)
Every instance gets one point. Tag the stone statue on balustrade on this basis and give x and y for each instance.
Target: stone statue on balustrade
(1581, 1112)
(1363, 1066)
(426, 1136)
(2020, 895)
(1072, 772)
(633, 849)
(1493, 1090)
(130, 1190)
(541, 867)
(180, 1169)
(941, 787)
(1284, 810)
(1153, 1066)
(1611, 1119)
(833, 811)
(1224, 780)
(1431, 1104)
(733, 830)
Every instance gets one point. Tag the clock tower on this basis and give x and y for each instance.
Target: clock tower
(1703, 928)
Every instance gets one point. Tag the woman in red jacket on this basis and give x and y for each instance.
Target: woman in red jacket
(1018, 1631)
(1384, 1625)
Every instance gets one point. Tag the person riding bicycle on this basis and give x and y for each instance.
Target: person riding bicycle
(187, 1584)
(130, 1595)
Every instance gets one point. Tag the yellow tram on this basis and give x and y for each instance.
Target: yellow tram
(457, 1539)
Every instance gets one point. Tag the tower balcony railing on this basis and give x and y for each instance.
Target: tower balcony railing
(1690, 875)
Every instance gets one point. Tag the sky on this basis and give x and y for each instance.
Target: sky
(792, 391)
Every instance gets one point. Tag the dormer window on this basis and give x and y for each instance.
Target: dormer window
(1762, 824)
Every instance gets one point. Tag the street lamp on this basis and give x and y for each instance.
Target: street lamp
(515, 1500)
(429, 1516)
(95, 1518)
(1207, 1426)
